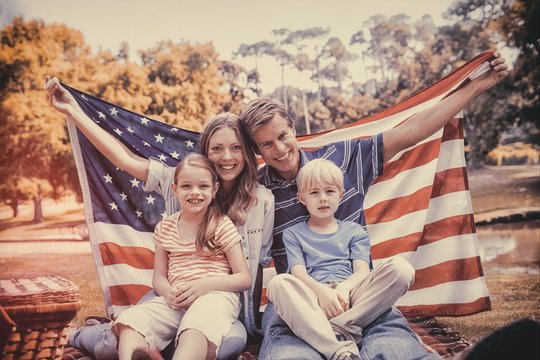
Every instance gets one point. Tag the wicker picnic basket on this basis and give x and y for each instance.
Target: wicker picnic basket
(40, 310)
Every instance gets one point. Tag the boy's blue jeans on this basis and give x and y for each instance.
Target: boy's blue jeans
(388, 337)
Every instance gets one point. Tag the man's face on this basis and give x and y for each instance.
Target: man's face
(278, 147)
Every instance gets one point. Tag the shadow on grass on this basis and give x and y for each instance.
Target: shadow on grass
(49, 222)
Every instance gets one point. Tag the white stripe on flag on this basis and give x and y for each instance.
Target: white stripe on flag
(439, 208)
(455, 292)
(404, 183)
(412, 180)
(122, 274)
(123, 235)
(268, 274)
(450, 248)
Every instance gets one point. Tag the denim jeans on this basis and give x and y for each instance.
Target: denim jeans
(100, 342)
(388, 337)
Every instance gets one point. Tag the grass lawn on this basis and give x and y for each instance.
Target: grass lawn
(513, 296)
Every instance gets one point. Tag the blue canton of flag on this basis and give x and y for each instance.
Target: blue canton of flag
(118, 197)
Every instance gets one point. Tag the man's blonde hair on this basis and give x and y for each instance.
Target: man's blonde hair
(319, 171)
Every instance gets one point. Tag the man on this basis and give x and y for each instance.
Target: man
(273, 136)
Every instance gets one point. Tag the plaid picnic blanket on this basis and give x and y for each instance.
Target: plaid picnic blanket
(434, 335)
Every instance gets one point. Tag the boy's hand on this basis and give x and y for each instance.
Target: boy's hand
(330, 301)
(344, 296)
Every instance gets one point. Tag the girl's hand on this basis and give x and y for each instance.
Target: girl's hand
(189, 292)
(330, 301)
(498, 71)
(171, 298)
(59, 97)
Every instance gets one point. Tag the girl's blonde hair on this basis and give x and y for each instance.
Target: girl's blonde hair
(319, 171)
(206, 233)
(242, 196)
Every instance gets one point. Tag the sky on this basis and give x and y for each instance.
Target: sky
(225, 23)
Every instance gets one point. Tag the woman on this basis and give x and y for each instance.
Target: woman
(250, 205)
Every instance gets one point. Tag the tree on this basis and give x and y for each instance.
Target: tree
(33, 141)
(255, 50)
(301, 60)
(492, 113)
(519, 25)
(185, 84)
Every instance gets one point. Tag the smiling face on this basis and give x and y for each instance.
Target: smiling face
(225, 151)
(321, 199)
(277, 144)
(195, 189)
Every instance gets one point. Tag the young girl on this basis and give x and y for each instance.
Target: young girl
(198, 269)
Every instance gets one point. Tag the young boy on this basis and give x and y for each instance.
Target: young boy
(330, 294)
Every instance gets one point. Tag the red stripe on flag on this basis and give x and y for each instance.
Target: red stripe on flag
(461, 309)
(264, 299)
(445, 182)
(453, 130)
(449, 181)
(418, 156)
(128, 294)
(442, 229)
(393, 209)
(450, 226)
(138, 257)
(448, 271)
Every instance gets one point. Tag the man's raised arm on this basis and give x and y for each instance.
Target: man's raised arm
(426, 122)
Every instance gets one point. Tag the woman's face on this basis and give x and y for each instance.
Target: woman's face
(225, 151)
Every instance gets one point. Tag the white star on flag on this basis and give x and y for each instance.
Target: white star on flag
(108, 178)
(189, 143)
(144, 121)
(164, 214)
(162, 157)
(146, 144)
(135, 182)
(175, 155)
(117, 130)
(174, 129)
(150, 199)
(123, 196)
(130, 129)
(159, 138)
(114, 111)
(113, 206)
(139, 213)
(101, 115)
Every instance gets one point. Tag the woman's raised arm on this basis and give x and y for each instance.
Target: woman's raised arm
(108, 145)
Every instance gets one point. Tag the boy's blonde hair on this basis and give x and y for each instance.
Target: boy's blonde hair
(319, 171)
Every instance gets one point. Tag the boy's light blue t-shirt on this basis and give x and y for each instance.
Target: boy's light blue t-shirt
(327, 257)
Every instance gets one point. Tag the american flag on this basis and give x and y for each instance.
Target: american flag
(420, 208)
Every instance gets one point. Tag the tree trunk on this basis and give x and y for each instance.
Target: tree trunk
(283, 89)
(38, 211)
(14, 205)
(306, 113)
